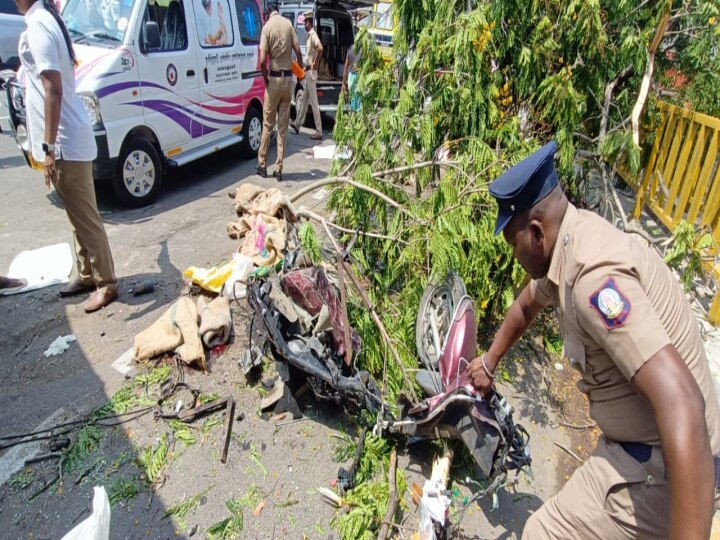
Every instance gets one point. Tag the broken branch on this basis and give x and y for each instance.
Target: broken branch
(393, 502)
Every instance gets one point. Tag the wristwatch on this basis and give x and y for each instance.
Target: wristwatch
(48, 148)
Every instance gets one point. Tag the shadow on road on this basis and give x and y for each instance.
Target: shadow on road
(37, 393)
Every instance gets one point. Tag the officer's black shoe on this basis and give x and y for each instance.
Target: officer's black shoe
(262, 171)
(295, 127)
(278, 175)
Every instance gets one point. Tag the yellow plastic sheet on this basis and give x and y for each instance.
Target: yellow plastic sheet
(210, 279)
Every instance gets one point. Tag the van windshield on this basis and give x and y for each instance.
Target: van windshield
(97, 22)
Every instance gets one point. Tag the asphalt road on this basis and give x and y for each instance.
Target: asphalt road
(185, 227)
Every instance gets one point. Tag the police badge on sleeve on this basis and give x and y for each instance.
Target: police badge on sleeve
(612, 305)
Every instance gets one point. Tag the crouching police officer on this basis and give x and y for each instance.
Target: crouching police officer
(628, 328)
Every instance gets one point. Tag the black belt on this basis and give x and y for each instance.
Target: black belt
(281, 73)
(641, 452)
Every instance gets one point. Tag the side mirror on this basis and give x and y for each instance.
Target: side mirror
(151, 36)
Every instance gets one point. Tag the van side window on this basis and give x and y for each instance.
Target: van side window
(213, 23)
(171, 21)
(249, 21)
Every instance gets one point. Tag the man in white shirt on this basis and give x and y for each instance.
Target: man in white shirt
(61, 139)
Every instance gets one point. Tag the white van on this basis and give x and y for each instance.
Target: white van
(164, 82)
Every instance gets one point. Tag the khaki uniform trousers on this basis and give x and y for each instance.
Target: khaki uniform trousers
(611, 496)
(278, 94)
(92, 250)
(309, 97)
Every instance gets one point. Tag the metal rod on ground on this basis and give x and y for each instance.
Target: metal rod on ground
(393, 502)
(383, 332)
(227, 431)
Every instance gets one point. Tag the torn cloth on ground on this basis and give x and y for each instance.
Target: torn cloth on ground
(263, 238)
(310, 288)
(262, 224)
(215, 320)
(252, 199)
(176, 330)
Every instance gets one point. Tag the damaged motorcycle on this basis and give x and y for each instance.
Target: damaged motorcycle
(301, 313)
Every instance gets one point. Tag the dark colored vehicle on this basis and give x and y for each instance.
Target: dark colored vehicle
(334, 27)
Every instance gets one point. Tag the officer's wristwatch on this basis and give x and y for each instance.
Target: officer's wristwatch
(48, 148)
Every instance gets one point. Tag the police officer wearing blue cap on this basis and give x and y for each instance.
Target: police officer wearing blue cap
(628, 328)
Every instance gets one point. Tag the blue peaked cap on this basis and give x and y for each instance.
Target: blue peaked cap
(524, 185)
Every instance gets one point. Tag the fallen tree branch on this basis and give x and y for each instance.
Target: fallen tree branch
(647, 78)
(570, 452)
(351, 182)
(308, 214)
(392, 504)
(383, 331)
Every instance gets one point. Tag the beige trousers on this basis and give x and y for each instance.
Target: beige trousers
(309, 96)
(92, 249)
(278, 95)
(611, 496)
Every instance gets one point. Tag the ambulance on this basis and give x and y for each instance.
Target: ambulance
(164, 82)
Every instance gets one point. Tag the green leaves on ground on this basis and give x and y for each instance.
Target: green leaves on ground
(232, 526)
(86, 441)
(152, 460)
(122, 490)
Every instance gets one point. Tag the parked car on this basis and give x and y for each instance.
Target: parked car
(334, 26)
(12, 25)
(164, 82)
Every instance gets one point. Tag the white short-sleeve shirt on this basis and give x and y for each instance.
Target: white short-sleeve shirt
(42, 48)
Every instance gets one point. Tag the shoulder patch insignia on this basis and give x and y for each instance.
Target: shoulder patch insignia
(611, 304)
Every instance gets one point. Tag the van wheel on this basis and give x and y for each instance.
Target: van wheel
(252, 131)
(139, 177)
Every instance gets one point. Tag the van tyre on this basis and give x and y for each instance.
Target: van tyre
(139, 177)
(252, 131)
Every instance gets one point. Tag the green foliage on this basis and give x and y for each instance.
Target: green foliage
(207, 398)
(123, 489)
(86, 441)
(22, 479)
(367, 504)
(152, 460)
(232, 526)
(183, 432)
(309, 242)
(184, 507)
(687, 252)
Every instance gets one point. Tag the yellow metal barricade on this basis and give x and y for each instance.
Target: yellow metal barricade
(682, 176)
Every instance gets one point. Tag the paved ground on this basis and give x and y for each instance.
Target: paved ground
(279, 464)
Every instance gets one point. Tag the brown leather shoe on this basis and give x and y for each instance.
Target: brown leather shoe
(316, 136)
(99, 300)
(74, 288)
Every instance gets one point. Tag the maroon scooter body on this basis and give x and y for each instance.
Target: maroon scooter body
(459, 348)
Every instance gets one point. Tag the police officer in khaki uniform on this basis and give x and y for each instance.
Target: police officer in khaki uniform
(628, 328)
(277, 41)
(314, 50)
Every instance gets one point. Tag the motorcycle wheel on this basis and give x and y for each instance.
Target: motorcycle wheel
(437, 304)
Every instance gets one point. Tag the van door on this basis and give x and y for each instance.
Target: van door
(168, 75)
(220, 61)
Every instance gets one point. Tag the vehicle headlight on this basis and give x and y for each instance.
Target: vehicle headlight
(92, 107)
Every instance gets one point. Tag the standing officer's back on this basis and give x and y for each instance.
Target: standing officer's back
(277, 41)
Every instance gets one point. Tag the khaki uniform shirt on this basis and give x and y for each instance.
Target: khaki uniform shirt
(277, 39)
(618, 304)
(311, 50)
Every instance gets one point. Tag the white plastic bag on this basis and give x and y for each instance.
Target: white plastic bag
(97, 525)
(234, 288)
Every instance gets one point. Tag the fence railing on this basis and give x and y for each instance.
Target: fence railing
(681, 180)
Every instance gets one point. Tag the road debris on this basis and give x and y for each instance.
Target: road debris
(60, 345)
